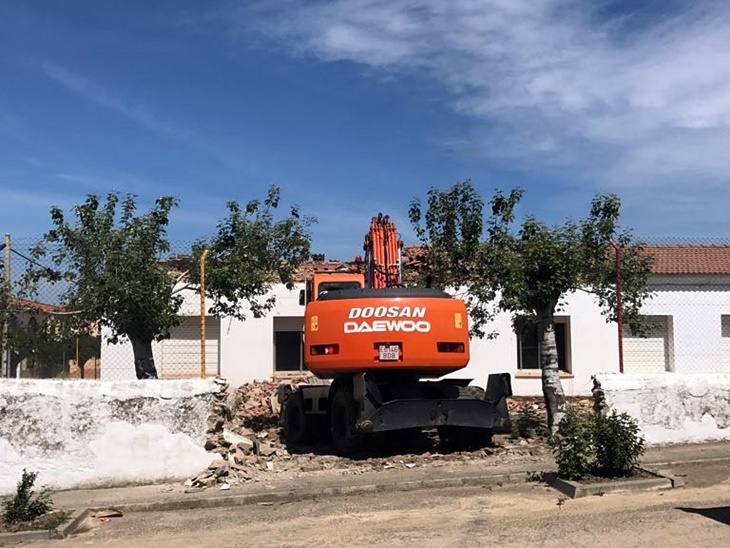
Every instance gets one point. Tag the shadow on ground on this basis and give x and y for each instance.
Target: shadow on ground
(391, 444)
(719, 513)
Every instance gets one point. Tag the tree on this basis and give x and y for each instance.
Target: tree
(111, 260)
(108, 257)
(529, 271)
(251, 250)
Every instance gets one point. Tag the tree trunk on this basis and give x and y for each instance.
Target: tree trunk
(144, 362)
(551, 387)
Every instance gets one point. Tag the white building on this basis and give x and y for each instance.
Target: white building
(688, 318)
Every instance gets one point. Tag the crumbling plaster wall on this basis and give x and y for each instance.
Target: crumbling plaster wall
(94, 433)
(672, 407)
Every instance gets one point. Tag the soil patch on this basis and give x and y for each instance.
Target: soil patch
(46, 522)
(637, 473)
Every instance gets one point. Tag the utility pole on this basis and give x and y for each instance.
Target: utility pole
(4, 354)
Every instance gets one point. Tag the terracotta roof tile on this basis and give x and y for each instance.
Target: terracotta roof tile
(690, 259)
(34, 305)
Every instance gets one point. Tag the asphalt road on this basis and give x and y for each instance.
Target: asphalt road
(524, 515)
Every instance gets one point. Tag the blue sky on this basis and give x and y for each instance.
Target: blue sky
(356, 106)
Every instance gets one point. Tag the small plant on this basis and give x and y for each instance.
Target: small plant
(527, 424)
(24, 507)
(604, 445)
(617, 443)
(572, 445)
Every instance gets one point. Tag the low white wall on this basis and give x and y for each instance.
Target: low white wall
(672, 407)
(96, 433)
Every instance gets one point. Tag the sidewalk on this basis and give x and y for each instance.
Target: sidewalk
(170, 496)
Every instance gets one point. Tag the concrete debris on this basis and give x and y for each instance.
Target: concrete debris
(265, 449)
(246, 446)
(245, 441)
(235, 439)
(217, 463)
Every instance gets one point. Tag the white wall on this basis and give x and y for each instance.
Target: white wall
(593, 349)
(696, 310)
(247, 348)
(96, 433)
(673, 407)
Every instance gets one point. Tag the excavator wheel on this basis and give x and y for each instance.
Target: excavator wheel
(465, 437)
(297, 427)
(343, 416)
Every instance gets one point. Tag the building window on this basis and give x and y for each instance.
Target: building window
(528, 345)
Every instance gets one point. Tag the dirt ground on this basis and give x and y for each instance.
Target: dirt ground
(528, 514)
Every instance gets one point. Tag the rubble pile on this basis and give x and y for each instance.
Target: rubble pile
(243, 430)
(582, 404)
(244, 433)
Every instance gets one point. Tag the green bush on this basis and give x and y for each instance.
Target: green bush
(617, 444)
(572, 445)
(24, 507)
(604, 445)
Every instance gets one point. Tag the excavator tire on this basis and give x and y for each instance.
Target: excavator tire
(343, 416)
(465, 437)
(297, 427)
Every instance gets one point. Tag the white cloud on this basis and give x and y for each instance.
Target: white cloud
(615, 101)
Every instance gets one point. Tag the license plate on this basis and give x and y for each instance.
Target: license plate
(388, 352)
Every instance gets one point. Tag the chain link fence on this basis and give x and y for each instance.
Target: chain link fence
(43, 338)
(687, 322)
(688, 317)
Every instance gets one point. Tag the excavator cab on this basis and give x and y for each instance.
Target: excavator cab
(321, 284)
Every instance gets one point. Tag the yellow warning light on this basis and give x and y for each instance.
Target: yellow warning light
(314, 323)
(457, 320)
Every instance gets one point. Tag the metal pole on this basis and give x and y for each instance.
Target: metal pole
(202, 313)
(619, 306)
(4, 351)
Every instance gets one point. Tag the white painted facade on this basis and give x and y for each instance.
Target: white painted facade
(687, 336)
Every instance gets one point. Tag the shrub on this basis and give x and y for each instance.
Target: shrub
(572, 445)
(617, 444)
(24, 507)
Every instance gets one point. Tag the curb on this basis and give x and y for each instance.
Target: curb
(294, 495)
(66, 528)
(690, 461)
(574, 489)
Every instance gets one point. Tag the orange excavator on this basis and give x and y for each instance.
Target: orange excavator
(382, 345)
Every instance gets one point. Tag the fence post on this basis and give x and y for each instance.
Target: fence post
(619, 306)
(7, 286)
(203, 256)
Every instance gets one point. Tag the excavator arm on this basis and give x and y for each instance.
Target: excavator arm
(383, 254)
